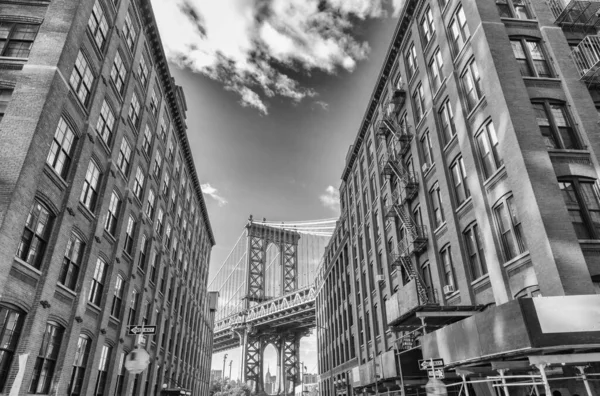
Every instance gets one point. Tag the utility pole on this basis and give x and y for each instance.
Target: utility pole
(224, 359)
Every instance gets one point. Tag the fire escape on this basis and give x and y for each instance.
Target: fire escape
(396, 139)
(581, 16)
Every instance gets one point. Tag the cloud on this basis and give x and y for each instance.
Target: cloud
(213, 193)
(331, 199)
(253, 46)
(323, 105)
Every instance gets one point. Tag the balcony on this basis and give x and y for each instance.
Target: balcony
(576, 14)
(416, 241)
(410, 187)
(587, 59)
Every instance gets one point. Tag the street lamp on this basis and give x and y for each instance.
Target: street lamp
(224, 359)
(230, 363)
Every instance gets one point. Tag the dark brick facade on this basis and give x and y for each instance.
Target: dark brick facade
(169, 279)
(357, 278)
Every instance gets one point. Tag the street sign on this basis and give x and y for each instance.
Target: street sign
(426, 364)
(141, 330)
(435, 373)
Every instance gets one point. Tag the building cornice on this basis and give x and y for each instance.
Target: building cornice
(175, 100)
(388, 64)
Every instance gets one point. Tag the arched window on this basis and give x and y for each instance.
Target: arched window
(11, 324)
(509, 228)
(583, 203)
(35, 235)
(81, 357)
(555, 125)
(43, 371)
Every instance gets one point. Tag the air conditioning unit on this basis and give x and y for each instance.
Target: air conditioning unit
(448, 289)
(380, 278)
(424, 168)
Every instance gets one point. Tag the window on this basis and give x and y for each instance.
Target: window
(106, 123)
(157, 165)
(154, 101)
(81, 356)
(124, 157)
(11, 325)
(89, 193)
(61, 150)
(159, 221)
(487, 145)
(129, 235)
(419, 103)
(118, 73)
(147, 142)
(82, 78)
(475, 251)
(45, 363)
(447, 121)
(459, 180)
(471, 83)
(555, 125)
(411, 60)
(143, 71)
(171, 148)
(138, 183)
(436, 203)
(531, 58)
(97, 286)
(164, 126)
(153, 267)
(435, 69)
(98, 25)
(133, 303)
(5, 95)
(105, 358)
(513, 9)
(427, 149)
(446, 258)
(112, 216)
(151, 202)
(69, 272)
(120, 375)
(166, 181)
(427, 28)
(582, 200)
(16, 39)
(143, 252)
(35, 235)
(134, 110)
(459, 31)
(509, 228)
(129, 32)
(117, 302)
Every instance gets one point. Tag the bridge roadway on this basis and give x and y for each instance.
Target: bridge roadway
(293, 311)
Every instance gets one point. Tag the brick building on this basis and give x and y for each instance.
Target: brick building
(102, 220)
(470, 207)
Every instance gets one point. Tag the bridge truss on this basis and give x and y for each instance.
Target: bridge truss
(267, 295)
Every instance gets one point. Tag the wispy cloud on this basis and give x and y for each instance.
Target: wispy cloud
(331, 199)
(323, 105)
(213, 193)
(253, 46)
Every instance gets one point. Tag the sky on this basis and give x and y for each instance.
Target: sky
(276, 91)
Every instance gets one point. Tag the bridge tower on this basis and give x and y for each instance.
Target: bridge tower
(286, 342)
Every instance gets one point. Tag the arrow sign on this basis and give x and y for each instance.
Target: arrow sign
(137, 330)
(435, 373)
(427, 364)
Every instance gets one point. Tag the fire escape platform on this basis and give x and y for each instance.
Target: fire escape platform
(409, 308)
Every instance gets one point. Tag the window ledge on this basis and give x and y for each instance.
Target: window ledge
(94, 307)
(479, 105)
(481, 281)
(463, 207)
(66, 289)
(520, 21)
(413, 78)
(461, 52)
(86, 212)
(440, 227)
(55, 177)
(28, 268)
(422, 120)
(440, 89)
(517, 262)
(108, 236)
(453, 142)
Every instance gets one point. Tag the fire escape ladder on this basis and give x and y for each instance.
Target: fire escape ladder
(412, 274)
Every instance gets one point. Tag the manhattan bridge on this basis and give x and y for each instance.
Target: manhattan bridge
(267, 296)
